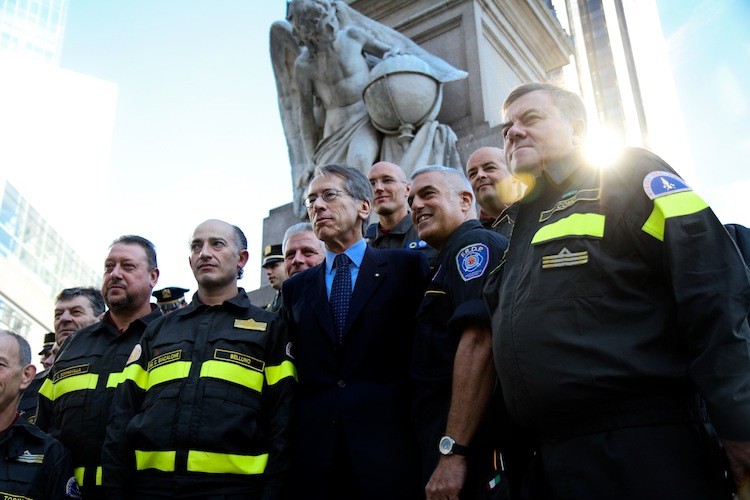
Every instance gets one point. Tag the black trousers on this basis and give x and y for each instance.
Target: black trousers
(660, 462)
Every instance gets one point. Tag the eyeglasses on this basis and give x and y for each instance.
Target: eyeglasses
(328, 196)
(386, 180)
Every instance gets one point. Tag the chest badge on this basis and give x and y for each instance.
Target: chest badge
(565, 258)
(250, 324)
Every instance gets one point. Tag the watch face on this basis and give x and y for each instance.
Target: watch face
(446, 445)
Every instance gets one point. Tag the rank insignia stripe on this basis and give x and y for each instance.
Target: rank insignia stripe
(570, 199)
(30, 458)
(250, 324)
(565, 258)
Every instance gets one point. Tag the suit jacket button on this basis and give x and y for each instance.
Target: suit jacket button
(342, 383)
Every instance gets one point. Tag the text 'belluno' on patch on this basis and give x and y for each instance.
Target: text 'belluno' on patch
(565, 258)
(250, 324)
(472, 261)
(662, 183)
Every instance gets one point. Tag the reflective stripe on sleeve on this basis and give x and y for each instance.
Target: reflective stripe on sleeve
(232, 372)
(225, 463)
(573, 225)
(673, 205)
(53, 390)
(135, 373)
(159, 460)
(80, 472)
(275, 374)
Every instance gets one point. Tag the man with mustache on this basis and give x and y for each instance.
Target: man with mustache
(204, 409)
(75, 400)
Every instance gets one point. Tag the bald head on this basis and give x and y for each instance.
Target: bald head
(493, 185)
(390, 190)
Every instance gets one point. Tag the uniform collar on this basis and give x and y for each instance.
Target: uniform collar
(561, 170)
(239, 301)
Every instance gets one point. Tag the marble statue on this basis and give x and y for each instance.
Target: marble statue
(342, 79)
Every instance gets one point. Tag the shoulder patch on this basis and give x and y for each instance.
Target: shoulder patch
(135, 354)
(662, 183)
(71, 489)
(472, 261)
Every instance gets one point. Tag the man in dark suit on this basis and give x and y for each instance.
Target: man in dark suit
(352, 432)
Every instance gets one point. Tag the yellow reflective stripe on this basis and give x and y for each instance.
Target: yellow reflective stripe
(159, 460)
(672, 205)
(572, 225)
(115, 379)
(275, 373)
(232, 372)
(167, 373)
(53, 390)
(225, 463)
(47, 389)
(79, 473)
(135, 373)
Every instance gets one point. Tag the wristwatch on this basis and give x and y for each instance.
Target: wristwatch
(447, 446)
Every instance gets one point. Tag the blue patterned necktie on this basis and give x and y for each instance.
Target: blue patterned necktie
(341, 292)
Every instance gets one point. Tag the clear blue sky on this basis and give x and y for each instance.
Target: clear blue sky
(197, 133)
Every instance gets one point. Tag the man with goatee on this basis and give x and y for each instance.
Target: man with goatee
(74, 402)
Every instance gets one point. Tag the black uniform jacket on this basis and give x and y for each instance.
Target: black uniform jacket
(75, 400)
(452, 301)
(621, 291)
(205, 405)
(33, 465)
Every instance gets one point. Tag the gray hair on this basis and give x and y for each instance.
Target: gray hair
(24, 349)
(454, 178)
(300, 227)
(355, 182)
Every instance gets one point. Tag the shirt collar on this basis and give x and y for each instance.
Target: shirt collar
(355, 252)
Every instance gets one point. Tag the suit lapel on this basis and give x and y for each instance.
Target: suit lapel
(372, 272)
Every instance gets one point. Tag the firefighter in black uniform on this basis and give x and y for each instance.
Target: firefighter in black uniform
(204, 409)
(32, 464)
(452, 362)
(394, 228)
(29, 396)
(75, 400)
(621, 312)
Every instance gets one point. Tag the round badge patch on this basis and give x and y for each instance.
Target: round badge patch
(472, 261)
(71, 489)
(662, 183)
(135, 354)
